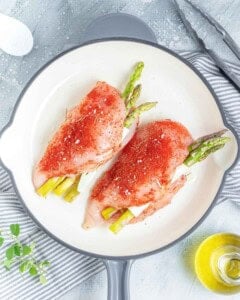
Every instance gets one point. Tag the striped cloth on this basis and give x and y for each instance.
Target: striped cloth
(69, 268)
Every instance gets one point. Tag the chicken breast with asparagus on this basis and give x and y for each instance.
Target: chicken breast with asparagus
(142, 175)
(90, 136)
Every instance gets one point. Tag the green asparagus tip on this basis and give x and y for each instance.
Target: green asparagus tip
(137, 112)
(132, 80)
(197, 143)
(133, 97)
(205, 148)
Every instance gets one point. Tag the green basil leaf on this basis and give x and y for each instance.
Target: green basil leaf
(10, 253)
(42, 279)
(15, 229)
(24, 266)
(17, 249)
(32, 246)
(1, 241)
(33, 271)
(45, 263)
(7, 264)
(26, 250)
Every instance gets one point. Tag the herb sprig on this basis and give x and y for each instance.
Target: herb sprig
(23, 255)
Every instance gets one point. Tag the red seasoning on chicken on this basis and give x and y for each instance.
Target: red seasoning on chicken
(143, 172)
(90, 136)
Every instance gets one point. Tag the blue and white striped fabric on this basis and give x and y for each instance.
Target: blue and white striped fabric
(229, 98)
(69, 268)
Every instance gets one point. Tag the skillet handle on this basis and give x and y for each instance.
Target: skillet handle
(118, 25)
(118, 272)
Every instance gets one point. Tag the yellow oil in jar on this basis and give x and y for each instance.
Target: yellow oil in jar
(217, 263)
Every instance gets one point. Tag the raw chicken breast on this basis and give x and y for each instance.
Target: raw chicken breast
(90, 135)
(143, 172)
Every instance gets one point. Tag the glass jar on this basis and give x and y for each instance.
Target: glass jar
(217, 263)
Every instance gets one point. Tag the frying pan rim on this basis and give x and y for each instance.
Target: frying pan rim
(205, 82)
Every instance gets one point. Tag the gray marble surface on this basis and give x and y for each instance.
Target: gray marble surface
(58, 25)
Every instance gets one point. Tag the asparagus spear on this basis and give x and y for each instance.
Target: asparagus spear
(211, 150)
(204, 149)
(205, 138)
(137, 111)
(73, 190)
(49, 185)
(108, 212)
(121, 221)
(64, 186)
(132, 80)
(134, 97)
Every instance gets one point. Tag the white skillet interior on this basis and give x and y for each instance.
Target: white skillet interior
(182, 96)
